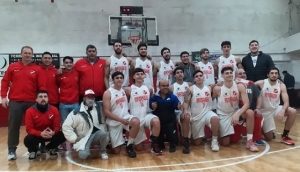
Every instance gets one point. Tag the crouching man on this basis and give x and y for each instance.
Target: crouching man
(42, 125)
(85, 126)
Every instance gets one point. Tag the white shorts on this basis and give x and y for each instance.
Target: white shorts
(198, 125)
(116, 132)
(269, 123)
(225, 124)
(145, 123)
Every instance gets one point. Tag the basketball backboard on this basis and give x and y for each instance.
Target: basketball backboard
(132, 30)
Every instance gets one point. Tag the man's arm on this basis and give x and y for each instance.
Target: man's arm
(69, 127)
(215, 92)
(259, 84)
(285, 97)
(30, 129)
(131, 69)
(152, 100)
(245, 99)
(187, 99)
(151, 90)
(155, 67)
(216, 67)
(107, 71)
(56, 121)
(107, 107)
(171, 88)
(238, 62)
(127, 92)
(129, 59)
(175, 101)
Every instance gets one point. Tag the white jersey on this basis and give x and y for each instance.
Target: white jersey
(147, 67)
(228, 101)
(179, 90)
(201, 102)
(226, 62)
(139, 101)
(121, 65)
(270, 96)
(208, 72)
(119, 105)
(165, 71)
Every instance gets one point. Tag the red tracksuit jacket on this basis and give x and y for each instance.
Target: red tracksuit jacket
(68, 83)
(23, 81)
(36, 121)
(52, 88)
(91, 76)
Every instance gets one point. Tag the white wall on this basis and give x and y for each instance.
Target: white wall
(67, 26)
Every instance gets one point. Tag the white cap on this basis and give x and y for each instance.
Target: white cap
(89, 92)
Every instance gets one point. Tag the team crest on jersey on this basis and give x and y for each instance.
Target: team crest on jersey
(231, 61)
(234, 93)
(116, 63)
(275, 91)
(171, 67)
(210, 67)
(145, 92)
(116, 95)
(140, 66)
(225, 94)
(198, 94)
(206, 94)
(123, 93)
(124, 63)
(165, 67)
(148, 66)
(136, 93)
(178, 88)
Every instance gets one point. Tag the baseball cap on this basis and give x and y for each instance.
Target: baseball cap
(89, 92)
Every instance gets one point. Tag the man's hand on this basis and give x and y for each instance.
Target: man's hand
(257, 112)
(180, 106)
(280, 116)
(184, 115)
(235, 120)
(46, 134)
(4, 102)
(154, 105)
(149, 57)
(59, 71)
(124, 121)
(220, 83)
(50, 131)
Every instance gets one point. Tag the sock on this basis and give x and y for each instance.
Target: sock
(249, 136)
(186, 139)
(154, 139)
(130, 141)
(285, 132)
(214, 138)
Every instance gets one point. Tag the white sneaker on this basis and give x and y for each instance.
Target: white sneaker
(12, 156)
(215, 146)
(32, 156)
(104, 156)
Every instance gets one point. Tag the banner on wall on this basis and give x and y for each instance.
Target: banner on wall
(4, 62)
(213, 56)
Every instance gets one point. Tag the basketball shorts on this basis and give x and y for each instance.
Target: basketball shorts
(269, 122)
(116, 132)
(225, 124)
(197, 126)
(144, 123)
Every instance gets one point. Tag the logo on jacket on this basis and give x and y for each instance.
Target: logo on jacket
(51, 116)
(32, 72)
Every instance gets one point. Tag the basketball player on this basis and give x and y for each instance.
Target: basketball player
(198, 105)
(228, 110)
(179, 88)
(139, 96)
(115, 108)
(206, 67)
(226, 60)
(165, 67)
(117, 62)
(147, 65)
(271, 89)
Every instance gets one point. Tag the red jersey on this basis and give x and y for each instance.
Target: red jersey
(68, 83)
(23, 82)
(52, 88)
(36, 121)
(91, 76)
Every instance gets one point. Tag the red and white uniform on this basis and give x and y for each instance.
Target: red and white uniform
(121, 65)
(179, 90)
(139, 107)
(165, 71)
(147, 67)
(270, 106)
(228, 105)
(201, 113)
(226, 62)
(208, 72)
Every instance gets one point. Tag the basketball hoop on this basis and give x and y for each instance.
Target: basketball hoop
(134, 41)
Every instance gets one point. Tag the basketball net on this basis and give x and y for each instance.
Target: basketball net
(134, 41)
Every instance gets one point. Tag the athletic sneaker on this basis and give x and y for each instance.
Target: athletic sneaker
(12, 156)
(156, 149)
(104, 156)
(287, 140)
(51, 152)
(215, 146)
(130, 152)
(250, 145)
(32, 156)
(186, 147)
(259, 143)
(172, 148)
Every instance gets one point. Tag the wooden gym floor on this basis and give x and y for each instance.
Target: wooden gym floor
(275, 156)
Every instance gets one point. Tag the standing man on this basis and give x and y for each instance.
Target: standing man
(139, 96)
(91, 73)
(189, 68)
(166, 66)
(147, 65)
(85, 127)
(229, 96)
(257, 63)
(271, 90)
(49, 71)
(115, 108)
(198, 105)
(42, 125)
(206, 67)
(226, 60)
(117, 62)
(289, 82)
(255, 100)
(22, 79)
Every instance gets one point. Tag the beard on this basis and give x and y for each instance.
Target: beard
(118, 52)
(143, 55)
(167, 59)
